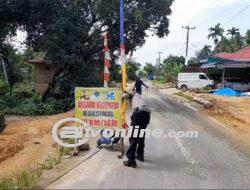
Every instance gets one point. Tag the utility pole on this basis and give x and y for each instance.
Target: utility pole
(158, 63)
(188, 28)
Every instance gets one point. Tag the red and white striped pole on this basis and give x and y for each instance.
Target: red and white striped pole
(106, 61)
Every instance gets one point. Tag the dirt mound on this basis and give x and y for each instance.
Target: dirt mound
(27, 141)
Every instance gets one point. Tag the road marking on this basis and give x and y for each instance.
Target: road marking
(184, 151)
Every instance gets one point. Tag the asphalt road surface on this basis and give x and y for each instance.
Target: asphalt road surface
(209, 161)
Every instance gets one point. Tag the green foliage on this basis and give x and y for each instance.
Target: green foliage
(204, 52)
(70, 32)
(132, 67)
(175, 59)
(172, 66)
(233, 32)
(50, 162)
(149, 68)
(2, 122)
(215, 33)
(4, 88)
(193, 61)
(230, 45)
(141, 73)
(16, 66)
(248, 38)
(22, 91)
(32, 106)
(21, 180)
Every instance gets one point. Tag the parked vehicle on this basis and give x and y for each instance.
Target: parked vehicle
(194, 81)
(237, 84)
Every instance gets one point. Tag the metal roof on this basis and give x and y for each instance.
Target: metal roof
(241, 55)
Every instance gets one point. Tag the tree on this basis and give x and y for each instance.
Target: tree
(71, 32)
(233, 32)
(141, 73)
(204, 52)
(174, 59)
(172, 66)
(247, 38)
(230, 45)
(215, 33)
(13, 64)
(193, 61)
(132, 67)
(149, 68)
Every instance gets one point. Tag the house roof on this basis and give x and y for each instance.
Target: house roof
(222, 63)
(241, 55)
(39, 60)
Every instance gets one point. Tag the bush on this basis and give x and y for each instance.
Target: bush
(22, 91)
(4, 87)
(34, 106)
(23, 101)
(2, 122)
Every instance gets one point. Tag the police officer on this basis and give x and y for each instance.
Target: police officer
(141, 119)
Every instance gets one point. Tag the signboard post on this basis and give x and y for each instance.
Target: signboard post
(99, 107)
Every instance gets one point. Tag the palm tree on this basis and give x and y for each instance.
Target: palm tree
(204, 52)
(215, 33)
(233, 32)
(207, 49)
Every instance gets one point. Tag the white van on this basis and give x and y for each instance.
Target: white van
(194, 81)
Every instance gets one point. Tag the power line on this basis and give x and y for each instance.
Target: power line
(238, 14)
(181, 48)
(206, 10)
(231, 19)
(217, 15)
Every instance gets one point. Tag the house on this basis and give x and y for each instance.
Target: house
(44, 73)
(193, 68)
(231, 65)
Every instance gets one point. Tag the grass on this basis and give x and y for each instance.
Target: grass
(51, 162)
(25, 179)
(158, 82)
(183, 95)
(64, 151)
(28, 179)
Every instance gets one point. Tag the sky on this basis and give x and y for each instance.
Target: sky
(201, 14)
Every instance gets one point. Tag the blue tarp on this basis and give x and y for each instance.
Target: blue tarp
(227, 92)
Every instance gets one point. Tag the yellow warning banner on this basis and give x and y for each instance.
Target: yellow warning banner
(99, 107)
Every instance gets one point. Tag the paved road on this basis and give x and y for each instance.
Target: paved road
(209, 161)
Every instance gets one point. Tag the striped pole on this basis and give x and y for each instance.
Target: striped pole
(106, 61)
(122, 60)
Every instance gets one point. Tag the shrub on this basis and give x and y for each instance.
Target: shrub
(4, 87)
(22, 91)
(24, 102)
(2, 122)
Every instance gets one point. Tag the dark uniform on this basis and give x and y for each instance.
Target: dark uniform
(139, 118)
(138, 86)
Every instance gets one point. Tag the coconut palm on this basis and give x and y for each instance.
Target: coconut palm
(233, 32)
(215, 33)
(204, 52)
